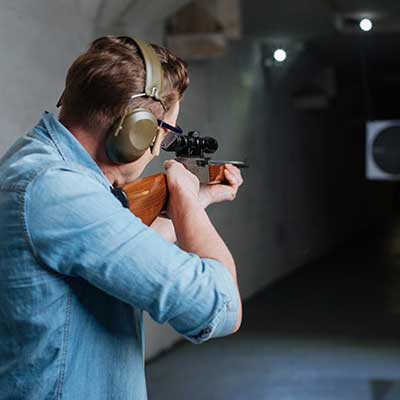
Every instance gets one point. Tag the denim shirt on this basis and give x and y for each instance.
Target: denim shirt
(77, 269)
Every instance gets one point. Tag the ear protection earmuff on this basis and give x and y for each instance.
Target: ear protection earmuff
(138, 129)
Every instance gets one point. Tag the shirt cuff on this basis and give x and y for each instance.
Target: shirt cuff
(224, 320)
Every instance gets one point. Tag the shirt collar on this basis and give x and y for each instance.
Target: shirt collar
(67, 145)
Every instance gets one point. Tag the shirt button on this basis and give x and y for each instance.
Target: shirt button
(206, 331)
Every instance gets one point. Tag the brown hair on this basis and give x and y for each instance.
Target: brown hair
(101, 81)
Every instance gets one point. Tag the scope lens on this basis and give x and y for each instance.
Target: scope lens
(169, 140)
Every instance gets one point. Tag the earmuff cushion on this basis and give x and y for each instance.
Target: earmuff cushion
(133, 135)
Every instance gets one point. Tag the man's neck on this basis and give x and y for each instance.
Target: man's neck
(94, 144)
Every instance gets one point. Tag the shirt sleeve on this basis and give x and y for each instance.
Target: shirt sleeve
(78, 228)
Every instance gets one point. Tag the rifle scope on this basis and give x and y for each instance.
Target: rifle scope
(192, 145)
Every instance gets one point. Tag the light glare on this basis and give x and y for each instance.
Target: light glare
(280, 55)
(366, 25)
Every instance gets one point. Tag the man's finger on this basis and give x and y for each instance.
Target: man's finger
(169, 163)
(232, 168)
(235, 174)
(231, 178)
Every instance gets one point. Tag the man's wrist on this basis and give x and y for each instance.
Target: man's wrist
(204, 198)
(180, 208)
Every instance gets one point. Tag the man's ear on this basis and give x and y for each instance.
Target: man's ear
(156, 146)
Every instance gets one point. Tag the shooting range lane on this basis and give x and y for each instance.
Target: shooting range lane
(330, 331)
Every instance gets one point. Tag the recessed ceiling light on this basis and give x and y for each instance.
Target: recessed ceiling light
(280, 55)
(366, 24)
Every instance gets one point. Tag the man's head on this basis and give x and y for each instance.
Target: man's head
(98, 92)
(101, 82)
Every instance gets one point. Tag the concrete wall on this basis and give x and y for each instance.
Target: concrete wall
(304, 192)
(38, 41)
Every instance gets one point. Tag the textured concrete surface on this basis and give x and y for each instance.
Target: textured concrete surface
(329, 332)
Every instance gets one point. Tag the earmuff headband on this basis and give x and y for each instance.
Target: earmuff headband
(154, 75)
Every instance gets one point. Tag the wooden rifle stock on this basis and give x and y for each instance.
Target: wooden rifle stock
(147, 197)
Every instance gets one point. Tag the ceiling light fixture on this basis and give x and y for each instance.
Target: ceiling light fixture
(280, 55)
(366, 24)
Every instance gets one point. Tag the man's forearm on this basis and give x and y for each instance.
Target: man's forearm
(194, 231)
(196, 234)
(165, 227)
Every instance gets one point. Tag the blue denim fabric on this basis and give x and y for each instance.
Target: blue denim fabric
(76, 272)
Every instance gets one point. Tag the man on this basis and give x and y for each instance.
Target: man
(77, 268)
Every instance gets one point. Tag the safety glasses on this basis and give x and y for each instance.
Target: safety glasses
(173, 133)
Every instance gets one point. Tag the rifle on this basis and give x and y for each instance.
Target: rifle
(147, 197)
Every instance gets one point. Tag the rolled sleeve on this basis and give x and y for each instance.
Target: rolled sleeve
(78, 228)
(223, 321)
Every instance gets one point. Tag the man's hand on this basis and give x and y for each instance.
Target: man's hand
(210, 194)
(181, 180)
(183, 186)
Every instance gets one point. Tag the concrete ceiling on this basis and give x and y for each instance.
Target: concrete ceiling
(260, 17)
(304, 18)
(378, 7)
(139, 13)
